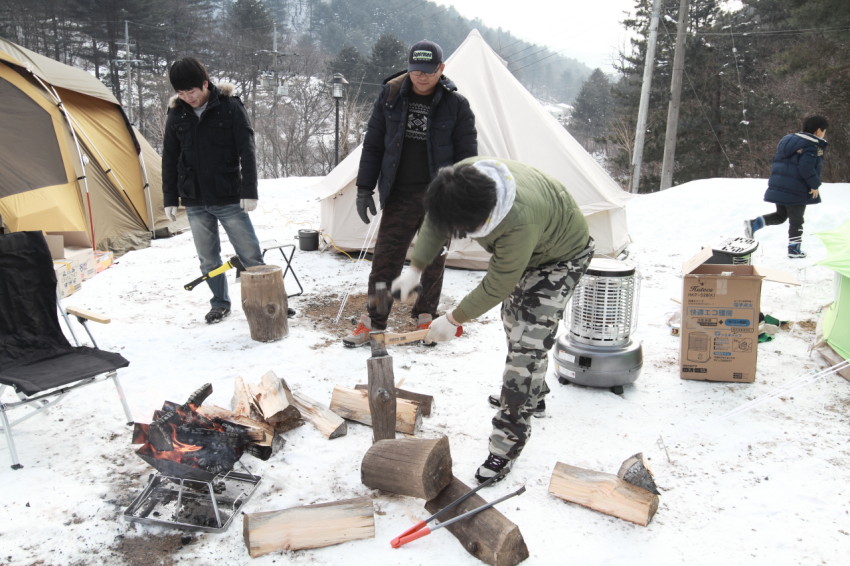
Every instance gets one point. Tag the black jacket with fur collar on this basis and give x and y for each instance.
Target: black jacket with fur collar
(208, 160)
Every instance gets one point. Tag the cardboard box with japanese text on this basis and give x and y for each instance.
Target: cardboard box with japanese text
(720, 318)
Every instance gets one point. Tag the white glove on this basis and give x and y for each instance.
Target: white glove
(441, 330)
(406, 286)
(171, 213)
(248, 204)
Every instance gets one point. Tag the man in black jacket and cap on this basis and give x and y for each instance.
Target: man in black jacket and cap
(419, 124)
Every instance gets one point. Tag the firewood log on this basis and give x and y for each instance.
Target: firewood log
(243, 403)
(353, 404)
(426, 402)
(488, 536)
(258, 431)
(635, 471)
(382, 401)
(308, 526)
(603, 492)
(416, 467)
(277, 408)
(326, 421)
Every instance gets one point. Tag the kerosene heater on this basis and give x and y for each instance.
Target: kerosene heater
(597, 349)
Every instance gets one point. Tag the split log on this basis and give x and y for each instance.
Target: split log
(243, 403)
(265, 443)
(425, 402)
(264, 302)
(635, 471)
(603, 492)
(276, 407)
(488, 536)
(308, 526)
(408, 466)
(328, 423)
(258, 431)
(353, 404)
(382, 401)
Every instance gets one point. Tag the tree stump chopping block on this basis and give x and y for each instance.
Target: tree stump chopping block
(264, 302)
(489, 536)
(416, 467)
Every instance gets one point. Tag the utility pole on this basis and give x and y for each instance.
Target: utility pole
(675, 98)
(129, 63)
(643, 108)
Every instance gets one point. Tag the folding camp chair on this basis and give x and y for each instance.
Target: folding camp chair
(37, 361)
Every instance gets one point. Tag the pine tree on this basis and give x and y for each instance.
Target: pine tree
(389, 56)
(592, 111)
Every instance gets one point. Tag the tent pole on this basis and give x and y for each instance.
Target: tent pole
(109, 172)
(83, 178)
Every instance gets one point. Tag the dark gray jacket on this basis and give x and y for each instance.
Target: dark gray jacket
(451, 133)
(208, 161)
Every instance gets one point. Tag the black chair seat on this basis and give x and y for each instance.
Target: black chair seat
(48, 373)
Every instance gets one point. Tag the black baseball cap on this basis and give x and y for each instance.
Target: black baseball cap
(424, 56)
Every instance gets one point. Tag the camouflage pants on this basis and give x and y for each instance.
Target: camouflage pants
(531, 315)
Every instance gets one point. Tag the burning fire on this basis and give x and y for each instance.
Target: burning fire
(181, 442)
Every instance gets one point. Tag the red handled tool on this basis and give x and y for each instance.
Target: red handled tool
(396, 542)
(421, 529)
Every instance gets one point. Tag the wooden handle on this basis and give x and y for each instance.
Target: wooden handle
(88, 315)
(404, 337)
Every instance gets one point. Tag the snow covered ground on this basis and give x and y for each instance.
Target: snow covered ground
(748, 473)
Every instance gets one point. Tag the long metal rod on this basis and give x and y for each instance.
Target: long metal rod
(461, 499)
(462, 516)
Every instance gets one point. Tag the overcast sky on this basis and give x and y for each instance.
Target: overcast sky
(589, 31)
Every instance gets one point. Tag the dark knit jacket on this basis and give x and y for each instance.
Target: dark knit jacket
(208, 161)
(796, 169)
(451, 133)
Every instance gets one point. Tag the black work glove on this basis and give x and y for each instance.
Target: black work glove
(365, 202)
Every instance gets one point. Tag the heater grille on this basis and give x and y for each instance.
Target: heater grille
(603, 304)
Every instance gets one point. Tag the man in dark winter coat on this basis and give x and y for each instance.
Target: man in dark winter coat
(795, 178)
(209, 164)
(419, 124)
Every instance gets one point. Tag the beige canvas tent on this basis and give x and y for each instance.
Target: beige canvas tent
(69, 160)
(512, 125)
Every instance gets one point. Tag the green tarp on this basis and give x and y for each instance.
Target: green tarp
(835, 321)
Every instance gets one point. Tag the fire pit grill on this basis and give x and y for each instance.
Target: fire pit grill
(193, 504)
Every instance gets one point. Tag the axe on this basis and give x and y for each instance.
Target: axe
(389, 338)
(379, 339)
(232, 262)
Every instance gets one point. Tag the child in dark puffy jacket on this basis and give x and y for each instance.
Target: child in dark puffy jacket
(795, 178)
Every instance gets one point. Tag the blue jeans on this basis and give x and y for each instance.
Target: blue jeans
(237, 224)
